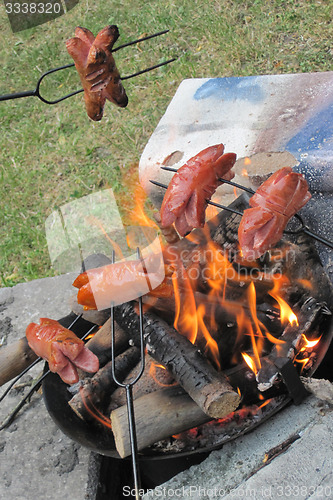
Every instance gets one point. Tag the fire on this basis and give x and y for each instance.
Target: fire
(257, 346)
(286, 313)
(94, 412)
(154, 370)
(250, 362)
(309, 344)
(186, 321)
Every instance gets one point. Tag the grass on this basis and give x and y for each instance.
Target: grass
(54, 154)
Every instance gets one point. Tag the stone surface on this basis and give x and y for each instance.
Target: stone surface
(36, 459)
(238, 469)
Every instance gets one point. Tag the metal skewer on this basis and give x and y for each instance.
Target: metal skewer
(234, 211)
(302, 229)
(36, 92)
(128, 388)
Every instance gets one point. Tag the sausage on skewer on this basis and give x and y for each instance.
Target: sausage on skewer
(273, 204)
(95, 64)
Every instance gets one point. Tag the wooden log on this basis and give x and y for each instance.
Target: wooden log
(152, 379)
(309, 316)
(171, 410)
(210, 389)
(95, 392)
(100, 343)
(158, 415)
(14, 358)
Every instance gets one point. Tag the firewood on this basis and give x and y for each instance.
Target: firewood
(158, 415)
(96, 391)
(309, 317)
(208, 388)
(149, 382)
(171, 410)
(14, 358)
(100, 343)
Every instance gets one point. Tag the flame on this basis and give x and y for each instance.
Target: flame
(250, 362)
(93, 411)
(247, 161)
(286, 313)
(153, 372)
(309, 344)
(90, 336)
(258, 345)
(303, 362)
(186, 321)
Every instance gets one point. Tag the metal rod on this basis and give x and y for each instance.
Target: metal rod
(128, 388)
(36, 91)
(225, 181)
(303, 229)
(18, 95)
(148, 69)
(140, 40)
(218, 205)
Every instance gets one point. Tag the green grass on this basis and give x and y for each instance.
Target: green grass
(54, 154)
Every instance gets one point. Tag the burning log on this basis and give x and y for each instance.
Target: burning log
(152, 379)
(293, 339)
(158, 415)
(96, 391)
(171, 410)
(208, 388)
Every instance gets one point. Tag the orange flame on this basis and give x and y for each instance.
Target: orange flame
(153, 372)
(286, 313)
(309, 344)
(250, 362)
(186, 321)
(93, 411)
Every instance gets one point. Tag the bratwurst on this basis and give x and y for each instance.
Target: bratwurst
(61, 348)
(273, 204)
(95, 64)
(192, 186)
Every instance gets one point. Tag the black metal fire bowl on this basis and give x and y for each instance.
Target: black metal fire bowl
(99, 438)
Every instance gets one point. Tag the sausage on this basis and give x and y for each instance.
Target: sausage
(185, 200)
(121, 282)
(97, 69)
(61, 348)
(273, 204)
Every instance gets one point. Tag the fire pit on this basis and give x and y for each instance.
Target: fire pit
(312, 299)
(308, 294)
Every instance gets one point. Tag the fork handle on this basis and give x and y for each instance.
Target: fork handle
(27, 93)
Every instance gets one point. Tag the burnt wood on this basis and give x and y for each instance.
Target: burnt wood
(100, 343)
(152, 379)
(210, 389)
(309, 317)
(96, 391)
(15, 358)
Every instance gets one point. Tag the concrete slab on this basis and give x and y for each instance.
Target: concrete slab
(238, 470)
